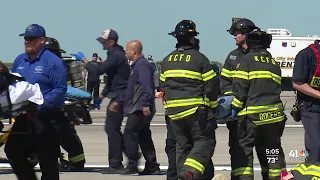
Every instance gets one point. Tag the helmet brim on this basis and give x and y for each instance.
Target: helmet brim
(182, 34)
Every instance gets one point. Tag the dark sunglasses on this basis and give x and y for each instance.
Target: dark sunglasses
(30, 38)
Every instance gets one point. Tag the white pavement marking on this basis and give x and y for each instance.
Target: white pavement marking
(162, 124)
(162, 114)
(98, 166)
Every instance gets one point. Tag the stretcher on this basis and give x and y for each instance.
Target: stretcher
(19, 97)
(223, 112)
(22, 96)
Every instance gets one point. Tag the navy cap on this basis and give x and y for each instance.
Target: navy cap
(108, 34)
(34, 30)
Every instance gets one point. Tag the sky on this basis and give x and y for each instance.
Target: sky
(77, 23)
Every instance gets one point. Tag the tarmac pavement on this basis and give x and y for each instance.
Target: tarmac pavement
(96, 149)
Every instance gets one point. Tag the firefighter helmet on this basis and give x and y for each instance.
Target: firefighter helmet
(241, 25)
(259, 37)
(185, 27)
(53, 45)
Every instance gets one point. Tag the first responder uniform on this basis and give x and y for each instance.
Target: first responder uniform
(241, 26)
(41, 131)
(190, 98)
(306, 171)
(307, 70)
(230, 65)
(261, 120)
(69, 138)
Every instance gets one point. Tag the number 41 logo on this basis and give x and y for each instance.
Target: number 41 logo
(296, 153)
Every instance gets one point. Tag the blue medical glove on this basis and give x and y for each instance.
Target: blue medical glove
(234, 113)
(79, 56)
(97, 103)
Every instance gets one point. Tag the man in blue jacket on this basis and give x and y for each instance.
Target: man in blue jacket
(140, 108)
(118, 70)
(38, 65)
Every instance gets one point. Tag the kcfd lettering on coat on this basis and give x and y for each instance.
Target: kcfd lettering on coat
(179, 57)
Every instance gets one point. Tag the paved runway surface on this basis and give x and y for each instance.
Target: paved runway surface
(95, 144)
(96, 149)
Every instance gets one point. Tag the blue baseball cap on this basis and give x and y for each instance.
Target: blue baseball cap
(34, 30)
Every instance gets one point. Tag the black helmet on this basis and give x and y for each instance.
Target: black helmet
(53, 45)
(149, 57)
(259, 37)
(185, 27)
(242, 25)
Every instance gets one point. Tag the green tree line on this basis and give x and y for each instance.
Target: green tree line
(9, 65)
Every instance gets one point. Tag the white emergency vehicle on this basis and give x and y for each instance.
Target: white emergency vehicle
(284, 48)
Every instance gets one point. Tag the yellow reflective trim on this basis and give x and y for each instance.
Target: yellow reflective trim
(265, 75)
(190, 102)
(241, 75)
(195, 165)
(183, 74)
(260, 109)
(211, 104)
(228, 92)
(269, 121)
(312, 170)
(183, 102)
(188, 74)
(208, 75)
(237, 103)
(226, 73)
(78, 158)
(242, 171)
(162, 77)
(275, 172)
(183, 114)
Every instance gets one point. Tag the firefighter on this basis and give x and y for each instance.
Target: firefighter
(239, 29)
(190, 99)
(171, 144)
(69, 138)
(257, 104)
